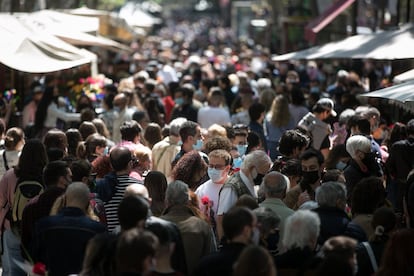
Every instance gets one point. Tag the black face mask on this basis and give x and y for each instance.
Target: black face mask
(372, 164)
(310, 177)
(258, 179)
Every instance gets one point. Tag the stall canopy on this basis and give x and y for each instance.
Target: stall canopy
(400, 94)
(76, 30)
(28, 50)
(386, 45)
(406, 76)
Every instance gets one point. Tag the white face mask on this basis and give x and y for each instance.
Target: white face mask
(215, 175)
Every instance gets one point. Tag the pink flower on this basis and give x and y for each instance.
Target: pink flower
(39, 269)
(205, 200)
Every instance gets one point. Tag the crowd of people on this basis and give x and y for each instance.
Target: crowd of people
(219, 163)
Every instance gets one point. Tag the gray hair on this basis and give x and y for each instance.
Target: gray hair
(357, 142)
(267, 219)
(77, 193)
(274, 184)
(175, 125)
(301, 230)
(329, 193)
(254, 158)
(177, 193)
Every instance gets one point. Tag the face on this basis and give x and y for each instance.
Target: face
(310, 165)
(197, 136)
(240, 140)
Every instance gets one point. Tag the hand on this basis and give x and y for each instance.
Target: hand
(303, 197)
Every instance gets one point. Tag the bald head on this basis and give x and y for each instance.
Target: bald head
(275, 185)
(77, 195)
(137, 190)
(120, 101)
(120, 158)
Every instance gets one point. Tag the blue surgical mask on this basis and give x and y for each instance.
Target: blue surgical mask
(215, 175)
(341, 165)
(199, 145)
(237, 162)
(179, 101)
(117, 109)
(242, 149)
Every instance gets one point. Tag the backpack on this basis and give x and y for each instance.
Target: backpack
(25, 191)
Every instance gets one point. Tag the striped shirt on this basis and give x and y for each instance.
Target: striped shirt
(111, 206)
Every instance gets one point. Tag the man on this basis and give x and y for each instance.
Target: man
(299, 240)
(112, 187)
(57, 176)
(29, 110)
(134, 211)
(218, 172)
(257, 115)
(190, 133)
(364, 162)
(238, 137)
(274, 188)
(292, 144)
(165, 151)
(197, 234)
(214, 112)
(184, 106)
(255, 165)
(311, 162)
(331, 198)
(60, 240)
(314, 123)
(123, 113)
(362, 126)
(400, 162)
(239, 226)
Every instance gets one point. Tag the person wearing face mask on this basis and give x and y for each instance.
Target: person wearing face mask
(255, 165)
(364, 162)
(190, 133)
(311, 162)
(184, 104)
(218, 171)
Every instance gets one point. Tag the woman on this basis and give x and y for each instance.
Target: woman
(92, 147)
(277, 121)
(48, 112)
(398, 254)
(156, 184)
(254, 260)
(369, 254)
(30, 167)
(191, 169)
(13, 143)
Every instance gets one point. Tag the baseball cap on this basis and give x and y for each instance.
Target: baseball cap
(327, 104)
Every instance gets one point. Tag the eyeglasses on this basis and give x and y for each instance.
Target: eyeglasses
(217, 167)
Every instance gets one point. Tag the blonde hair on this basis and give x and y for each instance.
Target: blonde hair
(279, 112)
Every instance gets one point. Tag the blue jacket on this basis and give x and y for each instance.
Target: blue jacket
(60, 241)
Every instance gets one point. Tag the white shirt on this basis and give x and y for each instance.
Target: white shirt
(209, 115)
(54, 113)
(212, 190)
